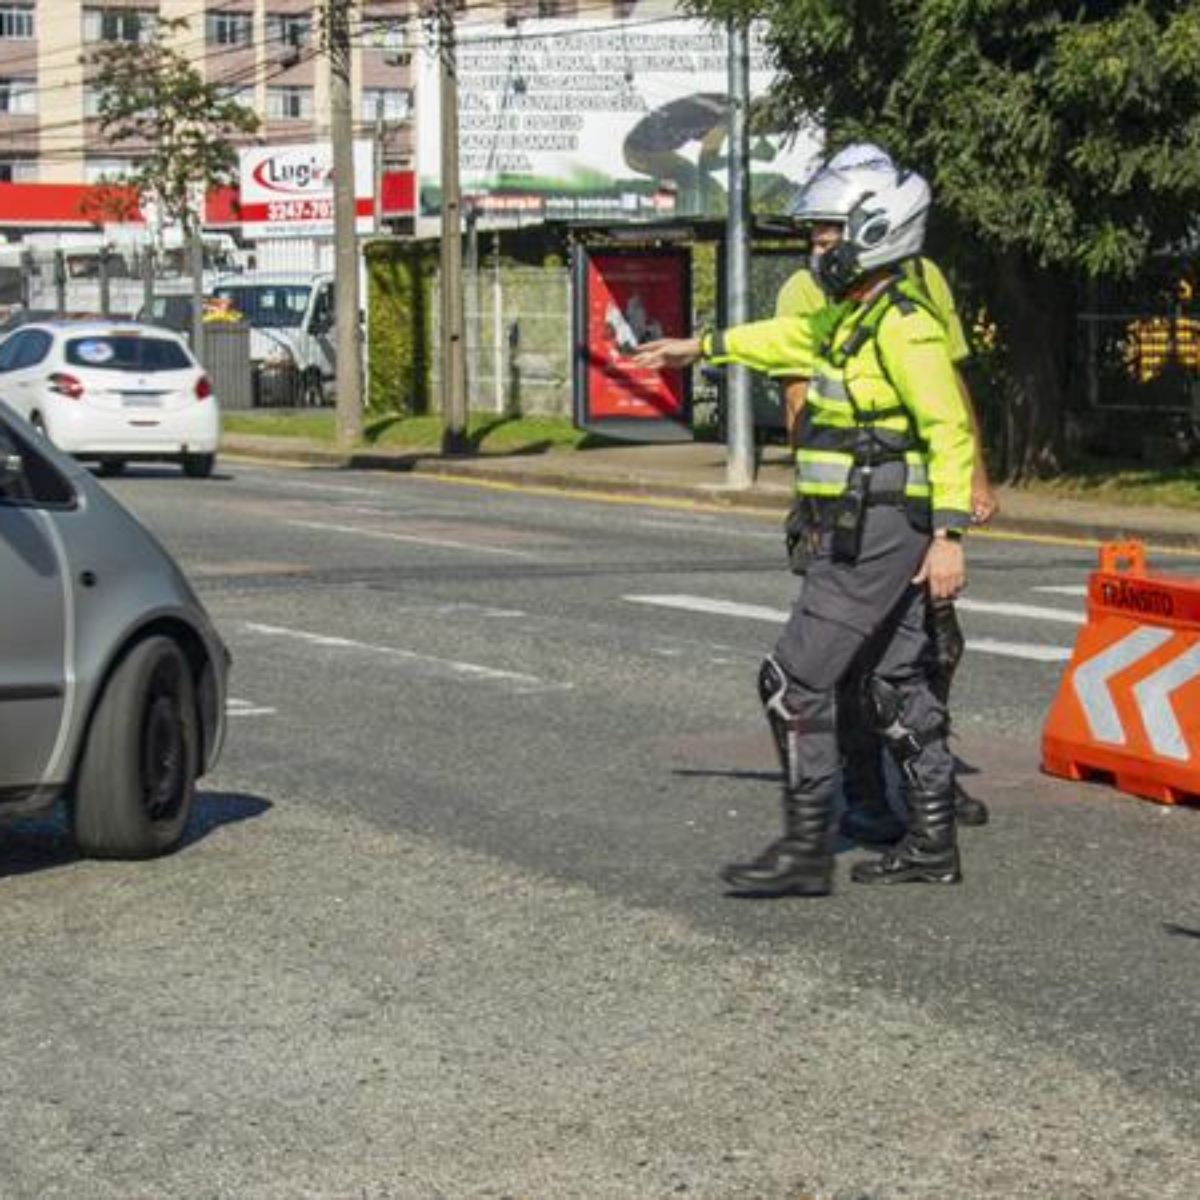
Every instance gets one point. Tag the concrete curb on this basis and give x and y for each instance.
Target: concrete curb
(1112, 525)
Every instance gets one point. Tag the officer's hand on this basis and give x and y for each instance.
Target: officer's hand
(667, 352)
(984, 505)
(944, 570)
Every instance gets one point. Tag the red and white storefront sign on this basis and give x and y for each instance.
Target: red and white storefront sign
(287, 191)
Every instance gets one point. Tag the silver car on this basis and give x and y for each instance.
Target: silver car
(112, 676)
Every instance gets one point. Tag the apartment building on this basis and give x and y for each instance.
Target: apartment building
(267, 52)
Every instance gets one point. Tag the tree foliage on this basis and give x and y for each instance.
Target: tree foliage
(1062, 138)
(155, 101)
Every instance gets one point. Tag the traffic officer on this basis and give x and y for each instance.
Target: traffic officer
(884, 465)
(869, 817)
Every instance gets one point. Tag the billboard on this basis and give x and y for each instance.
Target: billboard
(287, 191)
(624, 119)
(623, 298)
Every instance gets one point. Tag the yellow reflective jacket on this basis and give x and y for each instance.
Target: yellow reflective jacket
(882, 395)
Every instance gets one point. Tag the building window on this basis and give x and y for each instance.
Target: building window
(392, 104)
(288, 29)
(91, 100)
(18, 97)
(384, 33)
(117, 25)
(16, 21)
(96, 170)
(239, 93)
(289, 104)
(229, 28)
(18, 170)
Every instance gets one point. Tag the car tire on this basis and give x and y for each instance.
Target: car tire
(137, 778)
(199, 466)
(109, 468)
(312, 391)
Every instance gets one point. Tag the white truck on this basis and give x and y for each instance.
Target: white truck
(291, 319)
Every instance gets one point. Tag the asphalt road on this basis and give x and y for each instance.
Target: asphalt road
(448, 922)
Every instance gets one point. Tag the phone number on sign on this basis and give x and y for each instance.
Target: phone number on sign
(300, 210)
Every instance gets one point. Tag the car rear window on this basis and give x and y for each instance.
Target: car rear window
(127, 352)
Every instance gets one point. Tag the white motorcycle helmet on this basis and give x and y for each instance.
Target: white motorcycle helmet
(882, 211)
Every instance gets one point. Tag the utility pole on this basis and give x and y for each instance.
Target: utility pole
(739, 417)
(453, 356)
(348, 342)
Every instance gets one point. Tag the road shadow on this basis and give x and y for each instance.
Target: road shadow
(1171, 929)
(726, 773)
(43, 843)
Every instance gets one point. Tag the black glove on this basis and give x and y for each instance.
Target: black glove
(797, 537)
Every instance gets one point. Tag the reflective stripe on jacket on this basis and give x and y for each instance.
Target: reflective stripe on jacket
(883, 389)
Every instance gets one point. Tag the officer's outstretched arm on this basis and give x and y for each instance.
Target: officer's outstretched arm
(776, 346)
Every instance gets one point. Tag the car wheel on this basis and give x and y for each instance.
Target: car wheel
(137, 778)
(110, 467)
(199, 466)
(312, 393)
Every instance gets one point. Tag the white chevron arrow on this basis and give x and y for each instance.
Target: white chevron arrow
(1091, 680)
(1153, 698)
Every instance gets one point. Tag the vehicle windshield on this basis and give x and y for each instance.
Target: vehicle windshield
(268, 306)
(127, 352)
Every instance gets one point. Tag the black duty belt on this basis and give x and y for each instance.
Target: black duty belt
(819, 505)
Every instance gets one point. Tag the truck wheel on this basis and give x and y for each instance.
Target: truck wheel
(312, 392)
(137, 777)
(199, 466)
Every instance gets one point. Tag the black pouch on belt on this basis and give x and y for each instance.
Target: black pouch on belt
(849, 515)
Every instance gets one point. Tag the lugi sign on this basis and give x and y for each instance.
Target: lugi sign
(288, 190)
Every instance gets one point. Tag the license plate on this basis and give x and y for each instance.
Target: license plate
(135, 400)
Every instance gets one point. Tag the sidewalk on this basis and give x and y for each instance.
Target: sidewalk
(697, 472)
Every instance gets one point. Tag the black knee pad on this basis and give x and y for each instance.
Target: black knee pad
(886, 702)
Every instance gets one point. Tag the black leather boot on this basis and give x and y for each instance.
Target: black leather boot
(928, 853)
(801, 862)
(968, 809)
(868, 819)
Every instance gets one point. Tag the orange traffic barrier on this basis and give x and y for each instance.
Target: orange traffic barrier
(1128, 705)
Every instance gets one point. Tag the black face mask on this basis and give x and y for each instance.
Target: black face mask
(838, 269)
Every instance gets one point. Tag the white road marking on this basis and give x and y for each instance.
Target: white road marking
(1033, 611)
(717, 608)
(246, 708)
(523, 683)
(777, 616)
(1064, 589)
(442, 543)
(1026, 650)
(342, 489)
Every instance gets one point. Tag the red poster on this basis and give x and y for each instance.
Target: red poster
(631, 298)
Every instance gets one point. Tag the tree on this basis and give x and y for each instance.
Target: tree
(1061, 137)
(153, 97)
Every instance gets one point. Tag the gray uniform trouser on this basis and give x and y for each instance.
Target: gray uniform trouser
(864, 618)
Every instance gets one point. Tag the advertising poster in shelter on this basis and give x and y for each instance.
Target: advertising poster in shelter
(624, 298)
(607, 120)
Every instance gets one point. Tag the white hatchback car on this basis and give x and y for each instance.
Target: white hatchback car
(113, 392)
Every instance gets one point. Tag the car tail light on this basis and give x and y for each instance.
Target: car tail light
(203, 388)
(66, 385)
